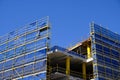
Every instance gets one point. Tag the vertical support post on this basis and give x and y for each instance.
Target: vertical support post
(84, 70)
(57, 67)
(68, 67)
(88, 52)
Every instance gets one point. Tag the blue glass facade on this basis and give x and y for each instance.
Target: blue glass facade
(106, 53)
(23, 52)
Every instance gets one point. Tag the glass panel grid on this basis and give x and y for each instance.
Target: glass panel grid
(106, 48)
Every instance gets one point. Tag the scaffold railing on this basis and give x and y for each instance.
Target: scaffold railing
(54, 70)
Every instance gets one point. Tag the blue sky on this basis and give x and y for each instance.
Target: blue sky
(70, 19)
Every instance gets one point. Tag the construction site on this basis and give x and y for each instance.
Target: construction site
(26, 54)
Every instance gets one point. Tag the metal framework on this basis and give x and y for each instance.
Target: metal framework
(23, 52)
(105, 52)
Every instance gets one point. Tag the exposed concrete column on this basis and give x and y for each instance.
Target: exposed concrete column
(88, 51)
(84, 70)
(68, 66)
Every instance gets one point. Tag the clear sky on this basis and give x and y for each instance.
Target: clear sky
(70, 19)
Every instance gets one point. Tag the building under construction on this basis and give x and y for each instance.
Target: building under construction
(26, 54)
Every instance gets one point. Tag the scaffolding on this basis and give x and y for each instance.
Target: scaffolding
(23, 51)
(102, 51)
(105, 52)
(25, 54)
